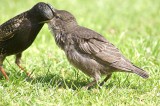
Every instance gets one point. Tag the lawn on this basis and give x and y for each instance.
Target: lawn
(131, 25)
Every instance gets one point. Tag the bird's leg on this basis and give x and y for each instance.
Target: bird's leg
(95, 81)
(18, 61)
(107, 77)
(4, 73)
(90, 84)
(1, 67)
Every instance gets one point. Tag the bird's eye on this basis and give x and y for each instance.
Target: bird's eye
(58, 16)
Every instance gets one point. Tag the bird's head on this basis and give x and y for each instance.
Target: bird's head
(43, 12)
(63, 20)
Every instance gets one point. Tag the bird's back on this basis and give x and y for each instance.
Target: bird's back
(18, 33)
(95, 46)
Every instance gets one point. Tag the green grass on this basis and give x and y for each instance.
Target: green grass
(132, 25)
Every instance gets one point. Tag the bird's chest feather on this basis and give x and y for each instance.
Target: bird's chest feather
(61, 40)
(66, 43)
(22, 39)
(82, 61)
(25, 37)
(31, 33)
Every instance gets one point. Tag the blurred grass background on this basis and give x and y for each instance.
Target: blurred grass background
(131, 25)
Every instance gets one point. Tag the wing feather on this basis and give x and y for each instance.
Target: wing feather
(9, 28)
(95, 45)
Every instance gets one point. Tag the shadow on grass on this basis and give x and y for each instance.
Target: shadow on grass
(58, 81)
(55, 80)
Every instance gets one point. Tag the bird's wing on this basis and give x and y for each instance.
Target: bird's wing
(95, 45)
(9, 28)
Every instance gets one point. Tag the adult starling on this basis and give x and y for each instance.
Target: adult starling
(89, 51)
(18, 33)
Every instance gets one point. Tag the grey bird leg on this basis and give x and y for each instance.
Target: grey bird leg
(90, 84)
(1, 67)
(107, 77)
(96, 79)
(18, 61)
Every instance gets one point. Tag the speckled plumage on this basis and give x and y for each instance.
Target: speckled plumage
(18, 33)
(89, 51)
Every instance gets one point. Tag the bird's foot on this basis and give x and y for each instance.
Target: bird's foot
(24, 70)
(85, 88)
(88, 86)
(4, 73)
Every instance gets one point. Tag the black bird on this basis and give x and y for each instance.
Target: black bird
(88, 50)
(18, 33)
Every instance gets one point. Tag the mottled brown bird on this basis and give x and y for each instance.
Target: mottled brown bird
(89, 51)
(18, 33)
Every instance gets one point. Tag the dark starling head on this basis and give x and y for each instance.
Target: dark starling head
(43, 11)
(63, 20)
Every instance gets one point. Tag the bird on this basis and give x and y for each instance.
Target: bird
(88, 50)
(19, 32)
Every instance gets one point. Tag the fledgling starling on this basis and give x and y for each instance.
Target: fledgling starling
(18, 33)
(89, 51)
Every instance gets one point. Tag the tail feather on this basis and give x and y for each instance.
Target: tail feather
(140, 72)
(127, 66)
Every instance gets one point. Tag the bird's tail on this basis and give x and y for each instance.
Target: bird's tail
(140, 72)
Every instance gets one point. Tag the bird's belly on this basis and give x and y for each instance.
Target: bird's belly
(11, 47)
(21, 40)
(86, 64)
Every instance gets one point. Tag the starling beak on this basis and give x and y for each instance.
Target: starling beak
(18, 33)
(44, 22)
(88, 51)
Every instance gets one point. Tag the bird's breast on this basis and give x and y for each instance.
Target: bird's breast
(83, 62)
(22, 39)
(60, 40)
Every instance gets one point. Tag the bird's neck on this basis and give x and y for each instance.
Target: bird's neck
(69, 27)
(62, 34)
(34, 16)
(60, 38)
(34, 34)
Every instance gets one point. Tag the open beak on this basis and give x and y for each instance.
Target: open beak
(44, 22)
